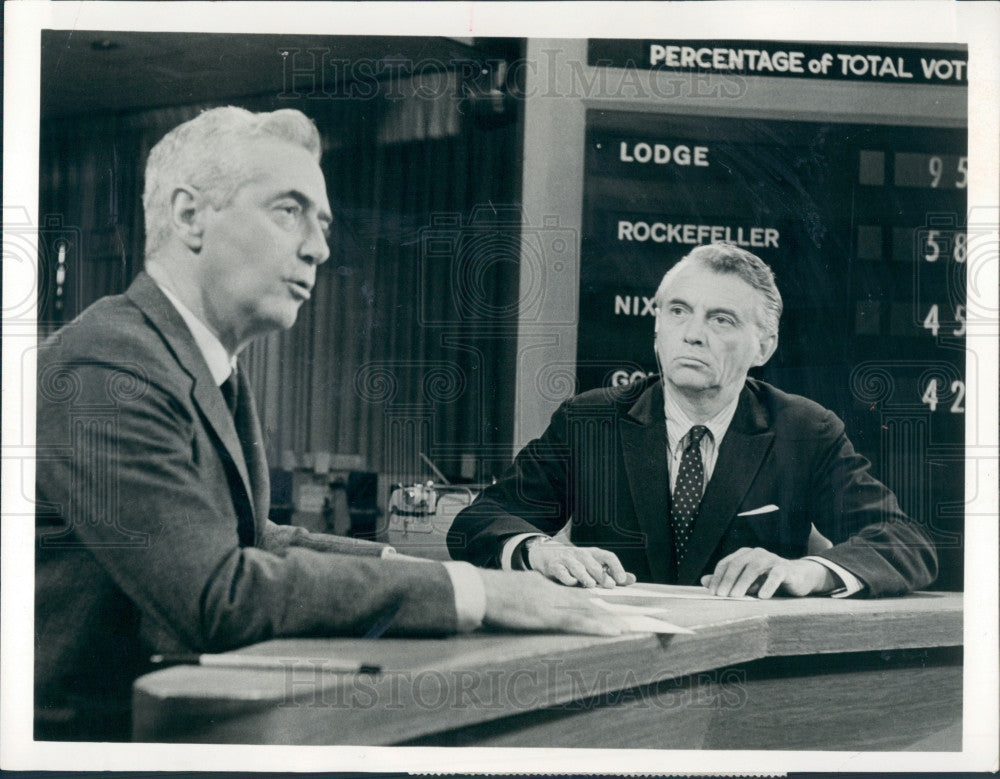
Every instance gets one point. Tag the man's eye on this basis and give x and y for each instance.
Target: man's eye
(676, 311)
(288, 216)
(724, 321)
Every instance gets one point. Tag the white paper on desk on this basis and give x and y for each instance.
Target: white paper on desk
(675, 591)
(641, 619)
(625, 609)
(638, 623)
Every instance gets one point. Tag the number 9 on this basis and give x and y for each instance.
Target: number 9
(935, 166)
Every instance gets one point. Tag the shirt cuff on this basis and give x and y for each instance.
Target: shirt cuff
(852, 585)
(510, 546)
(470, 594)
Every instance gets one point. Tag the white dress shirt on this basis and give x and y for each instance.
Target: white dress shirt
(678, 426)
(220, 363)
(470, 594)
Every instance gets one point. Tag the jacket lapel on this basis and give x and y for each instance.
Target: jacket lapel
(743, 449)
(206, 395)
(644, 449)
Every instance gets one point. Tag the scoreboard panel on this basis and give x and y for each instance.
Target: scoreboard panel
(864, 228)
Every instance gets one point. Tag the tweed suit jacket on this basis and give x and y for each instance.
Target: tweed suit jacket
(783, 465)
(143, 496)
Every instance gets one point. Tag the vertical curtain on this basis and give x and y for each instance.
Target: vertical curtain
(408, 344)
(90, 193)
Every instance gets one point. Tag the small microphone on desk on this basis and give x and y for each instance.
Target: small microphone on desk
(263, 663)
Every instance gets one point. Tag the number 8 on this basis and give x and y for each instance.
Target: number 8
(960, 248)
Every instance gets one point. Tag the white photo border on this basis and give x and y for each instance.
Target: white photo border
(975, 25)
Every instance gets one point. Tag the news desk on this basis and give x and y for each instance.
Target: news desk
(808, 674)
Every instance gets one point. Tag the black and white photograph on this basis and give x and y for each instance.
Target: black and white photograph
(467, 387)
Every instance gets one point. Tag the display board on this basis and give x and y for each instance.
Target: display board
(864, 228)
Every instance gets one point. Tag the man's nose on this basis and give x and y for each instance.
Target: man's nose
(694, 330)
(314, 248)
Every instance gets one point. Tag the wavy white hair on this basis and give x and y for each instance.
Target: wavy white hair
(205, 153)
(727, 258)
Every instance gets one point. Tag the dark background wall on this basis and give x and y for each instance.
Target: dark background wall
(415, 141)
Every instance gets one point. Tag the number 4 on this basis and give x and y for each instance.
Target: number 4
(931, 322)
(930, 395)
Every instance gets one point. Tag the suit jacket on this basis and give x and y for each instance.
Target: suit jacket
(602, 464)
(143, 495)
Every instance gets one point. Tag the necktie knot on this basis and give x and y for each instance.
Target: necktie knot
(695, 434)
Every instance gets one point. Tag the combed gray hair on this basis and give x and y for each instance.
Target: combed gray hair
(728, 258)
(204, 153)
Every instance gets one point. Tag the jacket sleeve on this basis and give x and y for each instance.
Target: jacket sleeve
(534, 495)
(873, 538)
(280, 538)
(133, 471)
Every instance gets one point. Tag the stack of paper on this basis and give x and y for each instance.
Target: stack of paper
(667, 591)
(651, 618)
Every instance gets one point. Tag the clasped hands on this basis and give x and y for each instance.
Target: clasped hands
(744, 572)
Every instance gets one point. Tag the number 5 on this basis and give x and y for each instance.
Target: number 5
(932, 244)
(960, 319)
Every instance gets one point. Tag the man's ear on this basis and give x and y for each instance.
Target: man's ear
(768, 345)
(187, 211)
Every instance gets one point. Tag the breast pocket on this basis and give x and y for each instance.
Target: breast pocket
(772, 531)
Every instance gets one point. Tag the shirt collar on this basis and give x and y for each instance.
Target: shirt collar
(679, 423)
(220, 364)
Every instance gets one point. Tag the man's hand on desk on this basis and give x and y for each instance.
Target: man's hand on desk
(748, 571)
(526, 600)
(571, 565)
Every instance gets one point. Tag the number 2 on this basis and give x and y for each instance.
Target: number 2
(958, 387)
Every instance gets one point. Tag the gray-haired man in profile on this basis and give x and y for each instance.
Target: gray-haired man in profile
(152, 485)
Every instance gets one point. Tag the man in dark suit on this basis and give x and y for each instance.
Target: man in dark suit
(152, 488)
(701, 475)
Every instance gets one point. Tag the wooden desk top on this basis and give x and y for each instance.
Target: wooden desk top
(431, 685)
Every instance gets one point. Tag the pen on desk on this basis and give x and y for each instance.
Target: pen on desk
(263, 663)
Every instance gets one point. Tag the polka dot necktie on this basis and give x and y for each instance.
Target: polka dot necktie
(687, 490)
